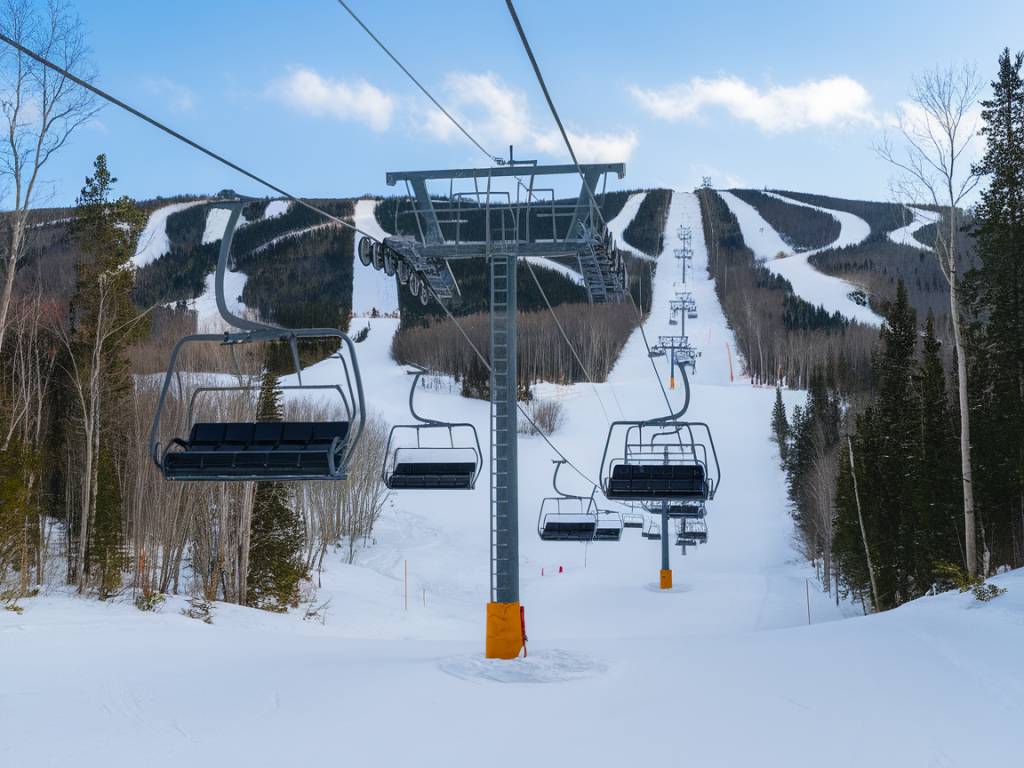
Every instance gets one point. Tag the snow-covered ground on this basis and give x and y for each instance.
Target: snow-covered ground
(905, 235)
(720, 671)
(153, 242)
(808, 283)
(618, 225)
(371, 289)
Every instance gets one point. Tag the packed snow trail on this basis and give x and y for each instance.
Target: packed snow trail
(371, 288)
(726, 653)
(808, 283)
(153, 242)
(905, 235)
(618, 225)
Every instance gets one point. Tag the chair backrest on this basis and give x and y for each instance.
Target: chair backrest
(206, 434)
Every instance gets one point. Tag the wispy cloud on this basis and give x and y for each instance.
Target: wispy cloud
(498, 115)
(835, 101)
(357, 100)
(178, 97)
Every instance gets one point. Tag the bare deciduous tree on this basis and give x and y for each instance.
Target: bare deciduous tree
(937, 131)
(41, 110)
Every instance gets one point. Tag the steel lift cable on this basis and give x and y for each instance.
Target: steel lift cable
(494, 158)
(249, 174)
(572, 154)
(179, 136)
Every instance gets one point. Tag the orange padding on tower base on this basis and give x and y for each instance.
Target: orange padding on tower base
(504, 631)
(666, 579)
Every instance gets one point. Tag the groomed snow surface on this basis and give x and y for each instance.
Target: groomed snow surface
(905, 235)
(722, 670)
(808, 283)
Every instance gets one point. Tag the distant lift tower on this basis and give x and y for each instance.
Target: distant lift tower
(500, 214)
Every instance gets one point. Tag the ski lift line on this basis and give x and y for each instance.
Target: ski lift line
(493, 158)
(175, 134)
(579, 170)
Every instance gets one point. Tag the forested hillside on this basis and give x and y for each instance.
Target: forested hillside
(802, 228)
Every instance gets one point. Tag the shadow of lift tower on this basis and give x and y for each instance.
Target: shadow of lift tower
(500, 215)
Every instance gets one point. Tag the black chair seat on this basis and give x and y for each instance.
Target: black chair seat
(258, 451)
(661, 481)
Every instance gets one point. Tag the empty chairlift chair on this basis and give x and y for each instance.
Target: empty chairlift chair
(632, 520)
(430, 454)
(662, 459)
(566, 517)
(609, 526)
(652, 530)
(229, 449)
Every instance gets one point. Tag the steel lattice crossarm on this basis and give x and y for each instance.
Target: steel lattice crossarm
(503, 209)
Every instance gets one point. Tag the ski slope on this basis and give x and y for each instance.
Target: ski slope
(808, 283)
(720, 671)
(153, 242)
(618, 225)
(905, 235)
(371, 289)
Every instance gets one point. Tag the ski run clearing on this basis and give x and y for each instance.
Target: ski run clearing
(723, 670)
(808, 283)
(905, 235)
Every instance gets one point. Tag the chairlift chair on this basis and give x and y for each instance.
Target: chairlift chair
(652, 530)
(609, 526)
(688, 511)
(661, 459)
(566, 517)
(222, 450)
(632, 520)
(431, 454)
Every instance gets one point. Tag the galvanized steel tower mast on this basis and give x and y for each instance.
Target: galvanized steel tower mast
(500, 215)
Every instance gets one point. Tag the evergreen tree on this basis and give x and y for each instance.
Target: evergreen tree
(103, 323)
(887, 450)
(780, 426)
(937, 472)
(276, 565)
(999, 307)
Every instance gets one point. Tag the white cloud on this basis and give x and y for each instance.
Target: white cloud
(779, 109)
(178, 97)
(309, 92)
(498, 115)
(589, 147)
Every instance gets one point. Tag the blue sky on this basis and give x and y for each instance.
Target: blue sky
(786, 94)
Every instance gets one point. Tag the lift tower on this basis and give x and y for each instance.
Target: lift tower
(501, 215)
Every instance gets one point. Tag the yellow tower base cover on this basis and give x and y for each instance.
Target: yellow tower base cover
(504, 630)
(666, 579)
